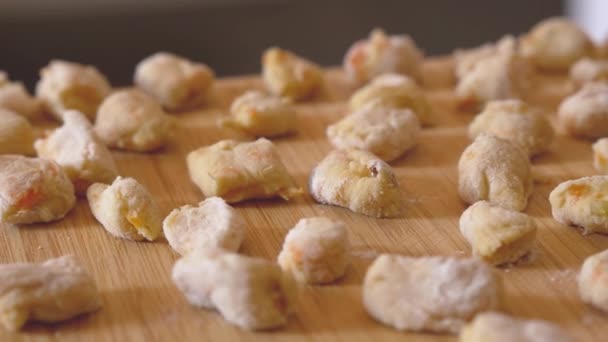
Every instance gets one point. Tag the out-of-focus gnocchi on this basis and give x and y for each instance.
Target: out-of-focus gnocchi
(291, 76)
(16, 134)
(585, 114)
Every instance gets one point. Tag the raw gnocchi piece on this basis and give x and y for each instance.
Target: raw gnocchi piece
(359, 181)
(495, 170)
(497, 235)
(593, 280)
(291, 76)
(15, 97)
(125, 209)
(466, 60)
(316, 251)
(585, 114)
(382, 54)
(16, 134)
(251, 293)
(75, 147)
(433, 294)
(515, 121)
(33, 190)
(66, 85)
(211, 224)
(582, 202)
(600, 155)
(176, 82)
(132, 120)
(385, 132)
(52, 291)
(394, 91)
(262, 115)
(589, 70)
(237, 171)
(499, 327)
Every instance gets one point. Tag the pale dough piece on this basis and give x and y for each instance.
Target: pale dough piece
(394, 91)
(53, 291)
(16, 134)
(291, 76)
(359, 181)
(213, 223)
(499, 327)
(556, 44)
(251, 293)
(381, 54)
(495, 170)
(585, 114)
(316, 250)
(385, 132)
(262, 115)
(497, 235)
(125, 209)
(176, 82)
(589, 70)
(66, 85)
(15, 97)
(600, 155)
(237, 171)
(33, 190)
(132, 120)
(466, 60)
(582, 202)
(593, 280)
(75, 147)
(515, 121)
(432, 294)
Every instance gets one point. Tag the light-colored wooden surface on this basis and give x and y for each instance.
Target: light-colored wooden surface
(141, 303)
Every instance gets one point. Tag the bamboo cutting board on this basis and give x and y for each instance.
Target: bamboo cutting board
(141, 303)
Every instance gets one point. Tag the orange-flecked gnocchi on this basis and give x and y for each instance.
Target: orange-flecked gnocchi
(15, 97)
(585, 114)
(16, 134)
(291, 76)
(600, 155)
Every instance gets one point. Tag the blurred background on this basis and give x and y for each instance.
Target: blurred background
(230, 35)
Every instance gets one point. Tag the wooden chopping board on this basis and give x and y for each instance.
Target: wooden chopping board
(141, 303)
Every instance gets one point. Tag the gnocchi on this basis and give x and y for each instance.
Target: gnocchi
(600, 155)
(291, 76)
(15, 97)
(593, 280)
(589, 70)
(16, 134)
(585, 114)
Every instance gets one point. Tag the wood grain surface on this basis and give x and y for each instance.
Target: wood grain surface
(141, 303)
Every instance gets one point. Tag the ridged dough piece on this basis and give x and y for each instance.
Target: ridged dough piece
(238, 171)
(52, 291)
(585, 114)
(593, 281)
(600, 155)
(499, 327)
(555, 44)
(497, 235)
(588, 70)
(16, 134)
(75, 147)
(33, 190)
(394, 91)
(495, 170)
(316, 251)
(125, 209)
(134, 121)
(211, 224)
(359, 181)
(291, 76)
(385, 132)
(515, 121)
(15, 97)
(176, 82)
(262, 115)
(582, 202)
(465, 60)
(251, 293)
(382, 54)
(430, 294)
(67, 85)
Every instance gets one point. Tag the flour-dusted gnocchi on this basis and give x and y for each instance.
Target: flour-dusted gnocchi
(125, 209)
(593, 280)
(359, 181)
(52, 291)
(33, 190)
(316, 251)
(16, 134)
(589, 70)
(497, 235)
(585, 114)
(381, 54)
(291, 76)
(15, 97)
(251, 293)
(176, 82)
(211, 224)
(237, 171)
(75, 147)
(499, 327)
(132, 120)
(600, 155)
(67, 85)
(495, 170)
(465, 60)
(515, 121)
(433, 294)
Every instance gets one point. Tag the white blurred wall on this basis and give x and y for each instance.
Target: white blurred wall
(592, 15)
